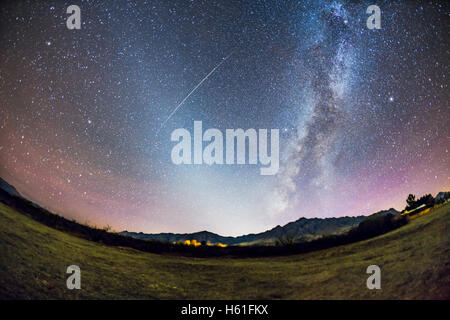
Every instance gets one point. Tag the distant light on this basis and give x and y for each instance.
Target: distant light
(391, 99)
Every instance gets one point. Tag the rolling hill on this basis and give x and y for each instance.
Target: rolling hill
(414, 260)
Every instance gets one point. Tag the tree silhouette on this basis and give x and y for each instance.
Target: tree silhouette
(411, 202)
(427, 200)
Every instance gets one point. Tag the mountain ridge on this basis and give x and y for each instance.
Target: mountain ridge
(302, 228)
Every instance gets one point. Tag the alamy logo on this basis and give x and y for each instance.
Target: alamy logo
(235, 139)
(74, 20)
(74, 281)
(374, 281)
(374, 21)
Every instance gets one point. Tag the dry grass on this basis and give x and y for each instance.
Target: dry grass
(414, 261)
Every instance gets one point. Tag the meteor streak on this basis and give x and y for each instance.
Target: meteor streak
(192, 91)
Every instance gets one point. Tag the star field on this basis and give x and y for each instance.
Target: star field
(363, 114)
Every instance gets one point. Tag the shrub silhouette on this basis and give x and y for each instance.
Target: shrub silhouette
(287, 240)
(412, 203)
(376, 225)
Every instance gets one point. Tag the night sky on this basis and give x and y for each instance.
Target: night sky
(363, 114)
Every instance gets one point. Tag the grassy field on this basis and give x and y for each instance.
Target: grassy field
(414, 260)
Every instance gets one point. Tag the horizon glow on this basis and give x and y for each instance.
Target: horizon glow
(86, 115)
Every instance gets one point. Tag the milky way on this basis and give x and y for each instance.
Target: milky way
(86, 115)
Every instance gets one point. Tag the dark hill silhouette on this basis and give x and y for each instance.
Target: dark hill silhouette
(301, 235)
(303, 229)
(319, 229)
(9, 188)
